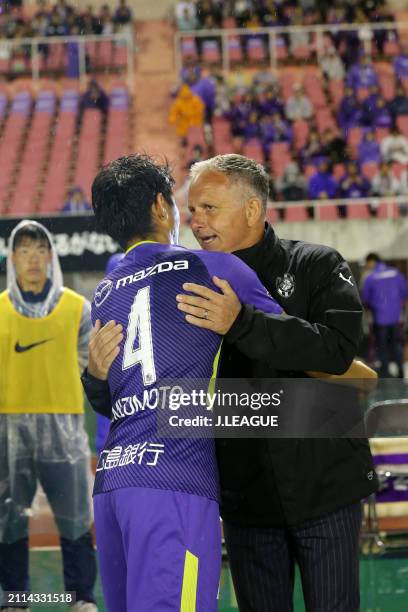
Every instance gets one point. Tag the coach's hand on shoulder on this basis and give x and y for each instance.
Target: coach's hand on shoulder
(208, 308)
(103, 348)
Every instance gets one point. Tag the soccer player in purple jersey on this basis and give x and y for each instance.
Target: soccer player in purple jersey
(156, 499)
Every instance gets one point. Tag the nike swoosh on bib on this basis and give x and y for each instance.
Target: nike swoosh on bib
(22, 349)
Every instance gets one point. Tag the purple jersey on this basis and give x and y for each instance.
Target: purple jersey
(160, 345)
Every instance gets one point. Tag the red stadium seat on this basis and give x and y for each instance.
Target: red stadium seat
(402, 123)
(296, 212)
(354, 136)
(235, 49)
(272, 215)
(211, 52)
(253, 150)
(388, 211)
(188, 48)
(327, 212)
(256, 49)
(358, 211)
(301, 132)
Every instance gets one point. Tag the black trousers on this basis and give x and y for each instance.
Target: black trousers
(389, 347)
(326, 550)
(79, 564)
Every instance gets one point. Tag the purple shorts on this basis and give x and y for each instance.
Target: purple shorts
(159, 551)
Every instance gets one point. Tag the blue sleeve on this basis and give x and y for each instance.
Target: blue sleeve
(243, 281)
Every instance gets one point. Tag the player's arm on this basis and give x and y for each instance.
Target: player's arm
(327, 343)
(103, 349)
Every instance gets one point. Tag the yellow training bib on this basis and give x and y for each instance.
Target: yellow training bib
(39, 370)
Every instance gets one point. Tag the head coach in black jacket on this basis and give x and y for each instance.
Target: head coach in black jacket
(282, 500)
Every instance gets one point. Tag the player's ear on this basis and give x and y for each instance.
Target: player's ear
(160, 207)
(254, 211)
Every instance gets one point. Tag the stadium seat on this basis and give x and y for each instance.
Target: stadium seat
(253, 149)
(272, 215)
(211, 52)
(358, 211)
(327, 212)
(188, 48)
(296, 212)
(301, 132)
(402, 123)
(388, 210)
(235, 49)
(255, 49)
(354, 137)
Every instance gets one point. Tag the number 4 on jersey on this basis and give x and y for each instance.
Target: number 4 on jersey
(139, 327)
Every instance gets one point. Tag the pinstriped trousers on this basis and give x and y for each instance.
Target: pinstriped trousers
(262, 562)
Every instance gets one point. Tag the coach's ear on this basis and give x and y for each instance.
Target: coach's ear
(254, 211)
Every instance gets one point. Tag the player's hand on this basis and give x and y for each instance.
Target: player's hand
(208, 308)
(103, 348)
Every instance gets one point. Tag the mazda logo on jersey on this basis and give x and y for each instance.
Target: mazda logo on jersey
(102, 292)
(286, 285)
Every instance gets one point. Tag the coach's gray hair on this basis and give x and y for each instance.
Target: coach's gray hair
(241, 169)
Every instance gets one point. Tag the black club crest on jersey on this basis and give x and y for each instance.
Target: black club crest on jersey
(286, 285)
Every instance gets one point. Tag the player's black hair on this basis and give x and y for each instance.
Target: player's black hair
(373, 257)
(123, 193)
(31, 231)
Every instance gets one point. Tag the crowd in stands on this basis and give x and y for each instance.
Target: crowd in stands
(330, 162)
(254, 14)
(200, 14)
(61, 19)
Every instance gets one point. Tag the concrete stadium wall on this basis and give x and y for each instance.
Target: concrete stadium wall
(142, 9)
(353, 239)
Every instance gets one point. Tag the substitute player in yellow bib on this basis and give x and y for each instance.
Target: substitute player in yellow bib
(44, 333)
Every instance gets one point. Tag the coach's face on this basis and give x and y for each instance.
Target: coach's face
(222, 217)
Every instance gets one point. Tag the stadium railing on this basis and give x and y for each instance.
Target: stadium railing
(74, 56)
(276, 38)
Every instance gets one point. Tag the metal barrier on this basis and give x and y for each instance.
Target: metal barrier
(74, 56)
(275, 37)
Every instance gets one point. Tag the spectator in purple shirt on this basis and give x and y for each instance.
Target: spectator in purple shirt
(379, 115)
(369, 149)
(362, 74)
(350, 112)
(205, 88)
(385, 292)
(322, 184)
(274, 129)
(369, 103)
(239, 114)
(252, 128)
(401, 62)
(312, 152)
(269, 103)
(353, 184)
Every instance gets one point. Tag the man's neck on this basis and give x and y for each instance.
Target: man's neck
(33, 287)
